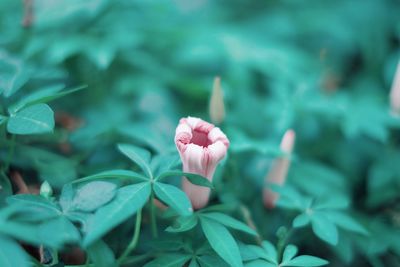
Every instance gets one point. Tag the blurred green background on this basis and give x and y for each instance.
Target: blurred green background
(323, 68)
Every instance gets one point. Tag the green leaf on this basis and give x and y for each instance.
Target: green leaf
(183, 224)
(129, 199)
(324, 228)
(101, 254)
(221, 241)
(306, 261)
(169, 260)
(260, 263)
(290, 198)
(301, 220)
(271, 251)
(44, 96)
(165, 162)
(192, 177)
(138, 155)
(36, 119)
(33, 208)
(336, 202)
(289, 252)
(11, 254)
(58, 232)
(211, 261)
(14, 74)
(114, 174)
(229, 222)
(66, 198)
(346, 222)
(193, 263)
(173, 197)
(93, 195)
(53, 233)
(252, 252)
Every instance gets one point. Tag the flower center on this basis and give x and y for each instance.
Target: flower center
(200, 139)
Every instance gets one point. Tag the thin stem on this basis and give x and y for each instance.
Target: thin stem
(10, 153)
(135, 237)
(249, 221)
(153, 215)
(55, 255)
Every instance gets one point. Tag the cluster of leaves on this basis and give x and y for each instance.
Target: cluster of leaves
(90, 95)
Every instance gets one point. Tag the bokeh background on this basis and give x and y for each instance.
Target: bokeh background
(322, 68)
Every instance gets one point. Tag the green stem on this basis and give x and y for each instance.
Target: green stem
(10, 153)
(135, 237)
(55, 256)
(249, 221)
(153, 215)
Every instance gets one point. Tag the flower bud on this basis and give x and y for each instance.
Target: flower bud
(46, 190)
(395, 92)
(279, 169)
(217, 107)
(201, 147)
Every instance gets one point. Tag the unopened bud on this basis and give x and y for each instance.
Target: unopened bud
(217, 107)
(279, 169)
(46, 190)
(395, 92)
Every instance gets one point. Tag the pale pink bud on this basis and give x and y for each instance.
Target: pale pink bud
(279, 169)
(201, 146)
(395, 92)
(217, 107)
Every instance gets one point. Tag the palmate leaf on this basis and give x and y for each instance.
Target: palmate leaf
(36, 119)
(221, 241)
(138, 155)
(128, 200)
(173, 197)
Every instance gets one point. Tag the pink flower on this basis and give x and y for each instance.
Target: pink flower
(279, 169)
(201, 147)
(395, 92)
